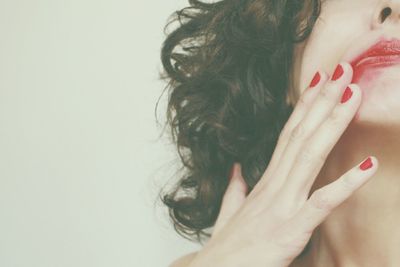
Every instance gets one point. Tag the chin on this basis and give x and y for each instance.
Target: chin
(381, 97)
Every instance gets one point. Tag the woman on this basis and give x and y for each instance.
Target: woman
(302, 99)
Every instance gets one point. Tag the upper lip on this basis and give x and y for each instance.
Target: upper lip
(383, 48)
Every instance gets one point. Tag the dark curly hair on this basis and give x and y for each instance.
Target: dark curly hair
(228, 65)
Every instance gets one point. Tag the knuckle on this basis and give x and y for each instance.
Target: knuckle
(298, 133)
(282, 213)
(348, 183)
(321, 200)
(335, 119)
(325, 94)
(301, 102)
(309, 156)
(281, 209)
(285, 132)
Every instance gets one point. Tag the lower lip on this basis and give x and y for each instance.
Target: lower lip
(373, 62)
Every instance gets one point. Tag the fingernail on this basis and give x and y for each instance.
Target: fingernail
(366, 164)
(346, 95)
(337, 73)
(315, 80)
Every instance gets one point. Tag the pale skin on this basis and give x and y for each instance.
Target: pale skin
(313, 188)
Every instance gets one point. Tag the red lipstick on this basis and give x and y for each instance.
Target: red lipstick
(384, 53)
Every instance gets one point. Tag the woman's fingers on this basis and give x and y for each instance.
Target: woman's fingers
(302, 106)
(233, 198)
(320, 109)
(313, 155)
(322, 202)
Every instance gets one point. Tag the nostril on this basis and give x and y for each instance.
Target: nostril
(385, 13)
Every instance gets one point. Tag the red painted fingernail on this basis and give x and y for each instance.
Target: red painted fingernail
(315, 80)
(366, 164)
(346, 95)
(337, 73)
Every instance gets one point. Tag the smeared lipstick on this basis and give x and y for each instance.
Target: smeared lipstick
(384, 53)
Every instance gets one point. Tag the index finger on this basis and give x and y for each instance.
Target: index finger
(301, 108)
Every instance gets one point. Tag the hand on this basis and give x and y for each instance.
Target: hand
(272, 225)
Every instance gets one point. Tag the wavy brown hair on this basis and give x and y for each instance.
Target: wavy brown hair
(228, 65)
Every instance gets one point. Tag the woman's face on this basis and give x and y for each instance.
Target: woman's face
(344, 30)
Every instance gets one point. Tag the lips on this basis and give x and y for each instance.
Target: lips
(384, 53)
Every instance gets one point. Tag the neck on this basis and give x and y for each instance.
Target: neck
(364, 230)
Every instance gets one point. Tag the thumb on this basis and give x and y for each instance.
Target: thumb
(233, 198)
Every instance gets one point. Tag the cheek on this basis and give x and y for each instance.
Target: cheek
(317, 55)
(333, 34)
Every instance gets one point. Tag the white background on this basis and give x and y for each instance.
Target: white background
(80, 159)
